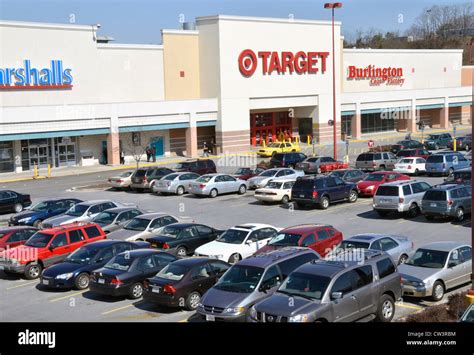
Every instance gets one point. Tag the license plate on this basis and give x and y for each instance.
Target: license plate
(301, 196)
(432, 204)
(45, 282)
(210, 318)
(155, 289)
(384, 201)
(101, 281)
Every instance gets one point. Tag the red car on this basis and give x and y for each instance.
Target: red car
(11, 237)
(326, 167)
(47, 247)
(322, 238)
(420, 153)
(247, 173)
(369, 185)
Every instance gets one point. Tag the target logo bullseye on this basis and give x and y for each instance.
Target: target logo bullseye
(247, 62)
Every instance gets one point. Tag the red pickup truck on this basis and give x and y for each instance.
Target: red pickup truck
(48, 247)
(330, 166)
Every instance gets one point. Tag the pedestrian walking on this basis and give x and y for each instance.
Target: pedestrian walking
(205, 150)
(148, 153)
(153, 154)
(122, 158)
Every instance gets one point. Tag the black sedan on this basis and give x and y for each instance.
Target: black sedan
(75, 270)
(182, 283)
(124, 274)
(11, 201)
(182, 239)
(349, 175)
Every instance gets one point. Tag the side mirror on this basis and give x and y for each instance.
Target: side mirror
(51, 248)
(336, 295)
(264, 288)
(89, 213)
(99, 260)
(452, 264)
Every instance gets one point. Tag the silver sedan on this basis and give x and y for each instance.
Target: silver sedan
(174, 183)
(435, 268)
(215, 184)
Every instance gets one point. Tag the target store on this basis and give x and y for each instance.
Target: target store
(70, 96)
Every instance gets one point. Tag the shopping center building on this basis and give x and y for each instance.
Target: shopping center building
(70, 98)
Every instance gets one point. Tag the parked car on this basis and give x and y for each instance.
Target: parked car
(80, 212)
(174, 183)
(183, 282)
(411, 165)
(286, 160)
(438, 140)
(403, 196)
(462, 143)
(125, 273)
(250, 281)
(122, 180)
(462, 176)
(11, 237)
(322, 238)
(376, 161)
(418, 152)
(277, 190)
(247, 173)
(335, 291)
(322, 191)
(198, 166)
(48, 247)
(436, 268)
(318, 165)
(368, 186)
(238, 242)
(115, 218)
(273, 148)
(349, 175)
(12, 201)
(142, 177)
(468, 156)
(400, 248)
(468, 315)
(445, 163)
(143, 226)
(406, 144)
(212, 185)
(265, 176)
(447, 201)
(183, 239)
(75, 270)
(36, 214)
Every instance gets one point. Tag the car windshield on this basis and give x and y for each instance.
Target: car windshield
(468, 317)
(39, 240)
(105, 217)
(43, 206)
(121, 262)
(405, 161)
(435, 159)
(305, 285)
(273, 185)
(353, 244)
(374, 177)
(126, 174)
(173, 272)
(433, 259)
(284, 239)
(240, 278)
(268, 173)
(137, 224)
(170, 177)
(171, 231)
(77, 210)
(339, 174)
(242, 171)
(83, 255)
(233, 236)
(182, 166)
(433, 137)
(204, 179)
(274, 145)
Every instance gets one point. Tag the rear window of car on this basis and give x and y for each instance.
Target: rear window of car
(308, 184)
(140, 172)
(435, 195)
(435, 159)
(278, 157)
(365, 157)
(385, 267)
(387, 191)
(93, 231)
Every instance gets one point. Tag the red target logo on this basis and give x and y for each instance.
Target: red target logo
(247, 62)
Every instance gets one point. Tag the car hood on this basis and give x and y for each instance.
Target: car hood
(160, 238)
(63, 268)
(266, 248)
(366, 184)
(55, 221)
(257, 179)
(27, 214)
(216, 247)
(279, 304)
(223, 299)
(123, 234)
(410, 272)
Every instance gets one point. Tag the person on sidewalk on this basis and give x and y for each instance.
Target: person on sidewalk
(153, 154)
(148, 154)
(205, 150)
(122, 157)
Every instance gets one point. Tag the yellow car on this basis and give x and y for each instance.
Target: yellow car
(278, 148)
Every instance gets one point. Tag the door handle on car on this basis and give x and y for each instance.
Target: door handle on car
(353, 297)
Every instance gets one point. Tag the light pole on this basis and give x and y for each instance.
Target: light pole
(332, 6)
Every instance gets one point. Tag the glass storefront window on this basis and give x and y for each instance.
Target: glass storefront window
(373, 122)
(6, 157)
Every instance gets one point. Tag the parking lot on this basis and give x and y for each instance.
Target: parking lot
(24, 300)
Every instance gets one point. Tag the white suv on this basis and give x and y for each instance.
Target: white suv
(238, 242)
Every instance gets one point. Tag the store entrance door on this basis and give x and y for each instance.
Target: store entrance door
(67, 154)
(39, 155)
(268, 126)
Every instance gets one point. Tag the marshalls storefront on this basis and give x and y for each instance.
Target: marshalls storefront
(69, 97)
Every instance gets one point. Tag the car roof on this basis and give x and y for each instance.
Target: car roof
(193, 261)
(93, 202)
(66, 227)
(443, 246)
(304, 228)
(400, 182)
(152, 215)
(368, 237)
(120, 209)
(269, 258)
(446, 187)
(283, 179)
(14, 228)
(251, 226)
(134, 253)
(184, 225)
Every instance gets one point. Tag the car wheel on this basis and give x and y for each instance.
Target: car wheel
(37, 223)
(353, 196)
(181, 252)
(33, 271)
(136, 291)
(285, 199)
(382, 167)
(450, 172)
(318, 170)
(413, 211)
(242, 189)
(18, 207)
(82, 281)
(438, 291)
(234, 258)
(213, 193)
(403, 259)
(180, 190)
(386, 309)
(192, 301)
(324, 203)
(459, 214)
(417, 172)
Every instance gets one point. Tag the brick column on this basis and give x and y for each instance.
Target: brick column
(191, 137)
(466, 114)
(113, 142)
(356, 124)
(444, 115)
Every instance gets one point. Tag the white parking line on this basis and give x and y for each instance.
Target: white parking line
(117, 309)
(23, 284)
(67, 296)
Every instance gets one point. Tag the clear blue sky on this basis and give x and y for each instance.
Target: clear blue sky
(140, 21)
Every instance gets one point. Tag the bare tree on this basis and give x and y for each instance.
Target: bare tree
(136, 147)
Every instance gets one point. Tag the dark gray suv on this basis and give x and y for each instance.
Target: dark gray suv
(359, 285)
(450, 200)
(250, 281)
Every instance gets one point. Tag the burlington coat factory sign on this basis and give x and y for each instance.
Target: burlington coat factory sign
(282, 62)
(377, 76)
(28, 77)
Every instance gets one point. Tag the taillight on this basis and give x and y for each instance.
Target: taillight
(116, 282)
(169, 289)
(409, 166)
(119, 180)
(145, 179)
(374, 164)
(401, 200)
(146, 284)
(315, 194)
(450, 202)
(201, 186)
(166, 246)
